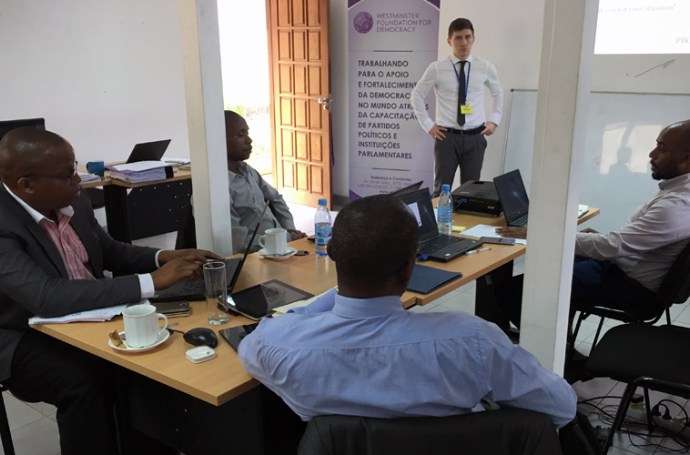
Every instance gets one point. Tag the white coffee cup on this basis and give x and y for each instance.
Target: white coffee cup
(141, 325)
(274, 241)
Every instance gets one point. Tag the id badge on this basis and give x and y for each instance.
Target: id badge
(465, 109)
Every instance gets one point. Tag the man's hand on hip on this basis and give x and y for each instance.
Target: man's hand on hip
(489, 128)
(437, 132)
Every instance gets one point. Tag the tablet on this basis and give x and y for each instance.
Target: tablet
(235, 335)
(258, 301)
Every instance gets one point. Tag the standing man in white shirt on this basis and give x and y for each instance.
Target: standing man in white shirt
(461, 118)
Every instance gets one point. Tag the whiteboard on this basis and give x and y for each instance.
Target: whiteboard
(621, 131)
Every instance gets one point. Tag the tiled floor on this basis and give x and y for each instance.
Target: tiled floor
(34, 429)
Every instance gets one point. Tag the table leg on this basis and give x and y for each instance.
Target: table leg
(116, 213)
(485, 305)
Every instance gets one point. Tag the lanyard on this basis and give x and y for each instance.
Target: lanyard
(467, 78)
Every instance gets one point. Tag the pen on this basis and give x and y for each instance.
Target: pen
(478, 250)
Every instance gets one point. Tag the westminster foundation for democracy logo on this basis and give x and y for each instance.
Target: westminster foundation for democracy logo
(363, 22)
(390, 22)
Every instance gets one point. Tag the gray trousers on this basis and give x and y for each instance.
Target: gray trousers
(466, 152)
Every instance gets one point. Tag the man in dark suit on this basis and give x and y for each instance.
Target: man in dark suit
(52, 257)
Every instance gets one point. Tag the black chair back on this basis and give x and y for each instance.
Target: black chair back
(498, 432)
(676, 285)
(643, 355)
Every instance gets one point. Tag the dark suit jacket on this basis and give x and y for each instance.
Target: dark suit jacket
(34, 281)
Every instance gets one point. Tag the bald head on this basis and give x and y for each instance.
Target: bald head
(26, 150)
(682, 129)
(671, 156)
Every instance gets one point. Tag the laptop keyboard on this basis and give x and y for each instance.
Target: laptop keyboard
(437, 243)
(522, 221)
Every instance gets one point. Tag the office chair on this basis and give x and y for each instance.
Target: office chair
(5, 433)
(643, 355)
(498, 432)
(675, 288)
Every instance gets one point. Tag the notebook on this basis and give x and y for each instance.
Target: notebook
(513, 196)
(148, 151)
(433, 244)
(426, 279)
(196, 289)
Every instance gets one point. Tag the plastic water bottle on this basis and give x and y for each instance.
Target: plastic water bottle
(445, 210)
(322, 228)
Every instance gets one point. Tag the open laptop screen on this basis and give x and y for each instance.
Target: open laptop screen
(148, 151)
(512, 194)
(419, 203)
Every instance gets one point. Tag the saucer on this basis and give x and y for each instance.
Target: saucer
(163, 336)
(278, 257)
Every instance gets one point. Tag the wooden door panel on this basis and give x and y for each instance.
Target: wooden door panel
(316, 148)
(299, 72)
(313, 13)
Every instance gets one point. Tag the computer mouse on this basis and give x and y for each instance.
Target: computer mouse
(201, 336)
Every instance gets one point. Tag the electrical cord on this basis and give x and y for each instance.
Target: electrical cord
(606, 414)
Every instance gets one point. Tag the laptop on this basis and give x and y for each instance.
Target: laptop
(196, 289)
(513, 196)
(148, 151)
(407, 189)
(433, 244)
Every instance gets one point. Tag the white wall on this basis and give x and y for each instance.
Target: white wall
(108, 74)
(105, 75)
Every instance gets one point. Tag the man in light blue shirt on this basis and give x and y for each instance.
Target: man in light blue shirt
(358, 352)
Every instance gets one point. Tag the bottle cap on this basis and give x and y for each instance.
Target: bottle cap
(323, 201)
(445, 187)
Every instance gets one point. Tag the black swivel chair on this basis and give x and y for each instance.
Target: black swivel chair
(675, 288)
(5, 433)
(642, 355)
(497, 432)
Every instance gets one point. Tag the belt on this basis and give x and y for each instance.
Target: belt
(470, 132)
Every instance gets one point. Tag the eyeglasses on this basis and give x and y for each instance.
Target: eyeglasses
(66, 177)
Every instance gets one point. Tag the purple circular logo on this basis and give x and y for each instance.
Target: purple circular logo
(363, 22)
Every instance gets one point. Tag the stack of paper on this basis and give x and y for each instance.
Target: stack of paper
(101, 314)
(88, 178)
(141, 171)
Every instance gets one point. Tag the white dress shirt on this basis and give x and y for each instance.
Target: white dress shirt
(442, 77)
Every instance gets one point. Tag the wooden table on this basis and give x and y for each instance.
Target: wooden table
(218, 395)
(222, 379)
(480, 264)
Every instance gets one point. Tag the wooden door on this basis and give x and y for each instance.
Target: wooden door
(298, 49)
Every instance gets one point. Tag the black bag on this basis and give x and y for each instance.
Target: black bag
(579, 437)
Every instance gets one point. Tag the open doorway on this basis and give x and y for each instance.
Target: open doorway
(244, 61)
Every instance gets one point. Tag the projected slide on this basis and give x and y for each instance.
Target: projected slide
(643, 27)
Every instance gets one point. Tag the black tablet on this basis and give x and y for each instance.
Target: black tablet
(235, 335)
(258, 301)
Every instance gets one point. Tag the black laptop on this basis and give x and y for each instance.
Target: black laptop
(196, 289)
(433, 244)
(513, 196)
(407, 189)
(148, 151)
